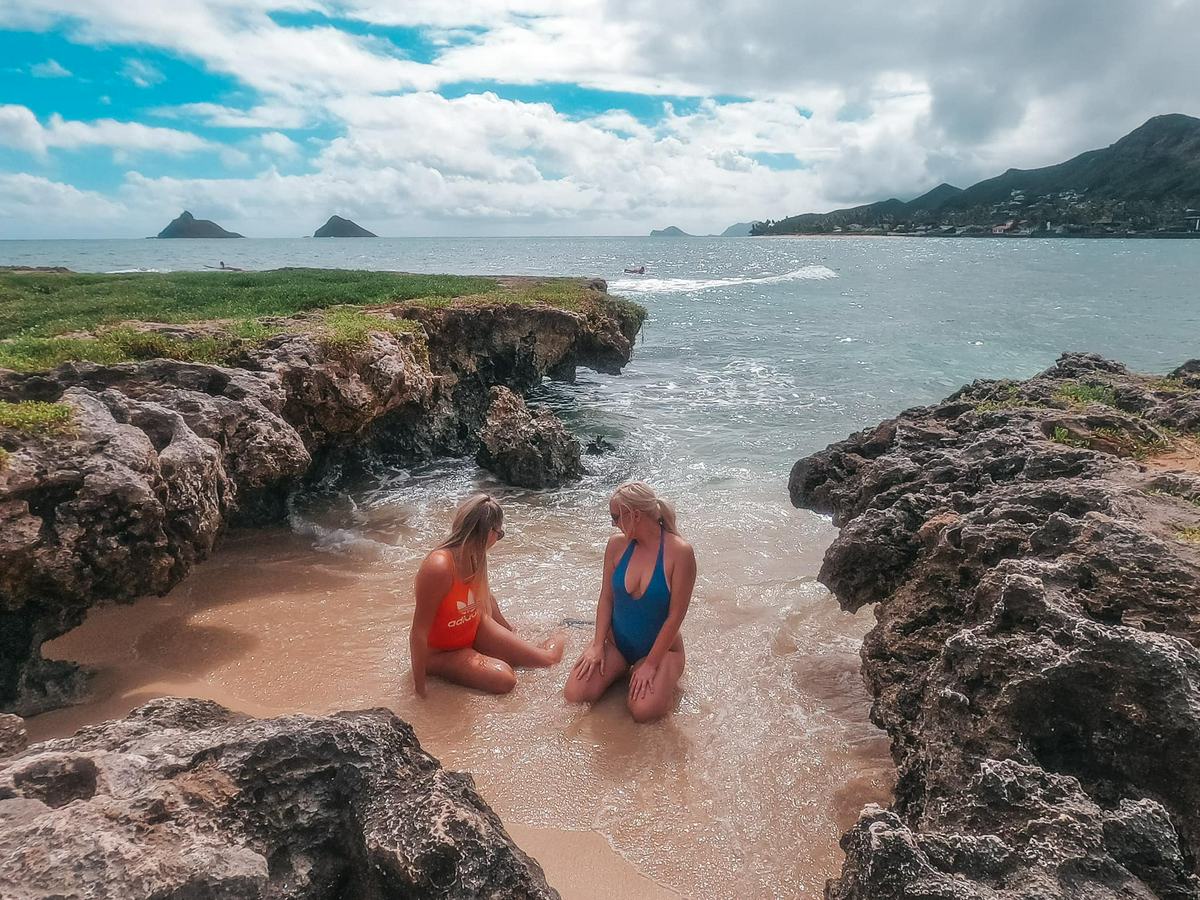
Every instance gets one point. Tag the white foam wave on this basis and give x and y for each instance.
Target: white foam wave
(683, 285)
(129, 271)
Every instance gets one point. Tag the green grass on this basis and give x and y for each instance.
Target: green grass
(48, 319)
(1189, 533)
(46, 305)
(1076, 394)
(1159, 492)
(37, 418)
(1062, 436)
(1138, 447)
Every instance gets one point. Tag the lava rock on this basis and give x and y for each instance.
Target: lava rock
(1036, 658)
(183, 798)
(527, 449)
(13, 738)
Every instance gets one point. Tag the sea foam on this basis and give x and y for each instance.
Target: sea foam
(684, 285)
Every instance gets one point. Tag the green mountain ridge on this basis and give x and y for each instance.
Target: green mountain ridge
(1149, 180)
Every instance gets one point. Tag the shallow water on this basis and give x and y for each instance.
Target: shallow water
(756, 352)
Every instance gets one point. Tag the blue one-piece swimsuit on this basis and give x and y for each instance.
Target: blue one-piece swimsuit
(636, 622)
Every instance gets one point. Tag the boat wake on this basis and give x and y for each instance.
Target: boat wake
(685, 285)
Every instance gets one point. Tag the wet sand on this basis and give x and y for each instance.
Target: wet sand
(742, 792)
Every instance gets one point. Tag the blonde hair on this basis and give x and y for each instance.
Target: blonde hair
(474, 519)
(637, 495)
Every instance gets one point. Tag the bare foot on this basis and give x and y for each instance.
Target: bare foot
(556, 644)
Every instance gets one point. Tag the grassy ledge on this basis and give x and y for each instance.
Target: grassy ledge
(47, 319)
(36, 418)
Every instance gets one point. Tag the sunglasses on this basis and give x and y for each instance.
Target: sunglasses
(499, 533)
(616, 516)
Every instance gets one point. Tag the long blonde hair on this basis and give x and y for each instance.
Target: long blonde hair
(637, 495)
(474, 519)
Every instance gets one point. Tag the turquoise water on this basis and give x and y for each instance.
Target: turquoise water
(756, 352)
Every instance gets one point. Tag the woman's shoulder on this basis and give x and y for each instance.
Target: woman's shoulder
(438, 562)
(677, 546)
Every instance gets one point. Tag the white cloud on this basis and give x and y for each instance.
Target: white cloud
(267, 115)
(19, 128)
(49, 69)
(142, 73)
(279, 144)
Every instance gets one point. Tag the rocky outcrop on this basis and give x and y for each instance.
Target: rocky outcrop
(163, 454)
(187, 226)
(184, 799)
(527, 449)
(339, 227)
(13, 738)
(1033, 551)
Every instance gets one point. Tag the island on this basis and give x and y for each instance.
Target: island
(188, 226)
(669, 231)
(339, 227)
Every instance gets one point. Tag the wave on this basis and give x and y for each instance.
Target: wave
(683, 285)
(129, 271)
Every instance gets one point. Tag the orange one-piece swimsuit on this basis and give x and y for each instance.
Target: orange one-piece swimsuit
(457, 618)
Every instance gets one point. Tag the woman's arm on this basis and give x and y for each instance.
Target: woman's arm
(434, 578)
(683, 580)
(592, 658)
(497, 615)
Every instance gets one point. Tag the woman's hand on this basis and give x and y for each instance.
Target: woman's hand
(589, 663)
(641, 682)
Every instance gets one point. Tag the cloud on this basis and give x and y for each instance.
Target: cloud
(142, 73)
(49, 69)
(278, 144)
(20, 129)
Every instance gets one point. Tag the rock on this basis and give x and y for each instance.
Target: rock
(187, 226)
(527, 449)
(182, 798)
(598, 284)
(165, 454)
(339, 227)
(13, 738)
(669, 231)
(1035, 660)
(599, 445)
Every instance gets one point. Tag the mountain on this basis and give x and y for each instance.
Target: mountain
(188, 226)
(339, 227)
(740, 229)
(669, 231)
(1148, 181)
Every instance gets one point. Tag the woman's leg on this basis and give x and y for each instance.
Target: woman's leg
(658, 702)
(495, 640)
(471, 668)
(592, 689)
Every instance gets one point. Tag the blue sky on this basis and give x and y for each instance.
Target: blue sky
(532, 116)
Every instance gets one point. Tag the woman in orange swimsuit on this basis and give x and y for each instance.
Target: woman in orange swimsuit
(458, 632)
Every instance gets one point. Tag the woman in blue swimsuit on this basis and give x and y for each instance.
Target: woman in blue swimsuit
(649, 573)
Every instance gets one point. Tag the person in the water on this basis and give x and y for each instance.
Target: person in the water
(458, 632)
(649, 573)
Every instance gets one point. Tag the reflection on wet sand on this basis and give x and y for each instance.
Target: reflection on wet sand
(742, 792)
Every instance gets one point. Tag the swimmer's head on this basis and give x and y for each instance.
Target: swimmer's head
(636, 499)
(478, 524)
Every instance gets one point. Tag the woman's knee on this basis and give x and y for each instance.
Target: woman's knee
(499, 677)
(646, 710)
(579, 691)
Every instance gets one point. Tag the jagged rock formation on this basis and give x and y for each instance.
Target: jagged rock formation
(163, 454)
(339, 227)
(13, 738)
(527, 449)
(187, 226)
(1033, 549)
(182, 798)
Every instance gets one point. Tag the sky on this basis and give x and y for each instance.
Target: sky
(552, 117)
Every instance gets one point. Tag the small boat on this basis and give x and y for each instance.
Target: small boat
(640, 270)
